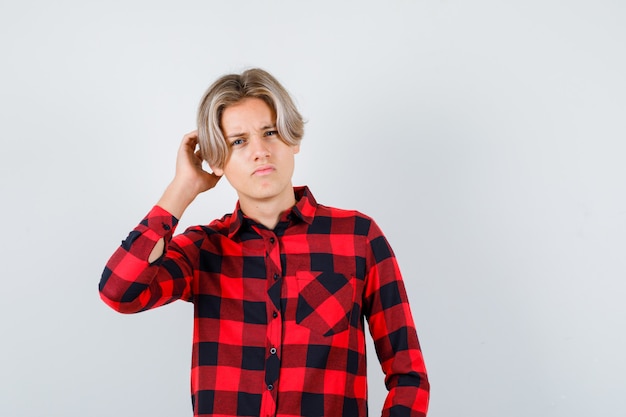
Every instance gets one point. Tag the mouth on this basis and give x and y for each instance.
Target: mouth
(264, 170)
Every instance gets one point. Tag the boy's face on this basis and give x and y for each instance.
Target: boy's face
(259, 165)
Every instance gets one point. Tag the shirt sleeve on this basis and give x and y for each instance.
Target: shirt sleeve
(393, 331)
(131, 284)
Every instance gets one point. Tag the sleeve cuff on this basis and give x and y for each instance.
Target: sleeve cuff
(160, 221)
(158, 224)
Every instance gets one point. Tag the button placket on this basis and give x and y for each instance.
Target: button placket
(274, 329)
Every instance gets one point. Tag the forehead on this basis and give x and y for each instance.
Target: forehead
(249, 113)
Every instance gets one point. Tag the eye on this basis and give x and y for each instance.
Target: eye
(237, 142)
(271, 133)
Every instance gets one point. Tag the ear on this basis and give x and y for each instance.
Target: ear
(296, 149)
(217, 171)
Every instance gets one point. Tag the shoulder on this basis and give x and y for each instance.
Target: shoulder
(214, 230)
(360, 224)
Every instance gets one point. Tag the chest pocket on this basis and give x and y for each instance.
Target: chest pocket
(325, 301)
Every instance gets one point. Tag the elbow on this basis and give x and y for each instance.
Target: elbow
(121, 296)
(120, 306)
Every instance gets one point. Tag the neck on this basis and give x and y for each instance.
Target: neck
(267, 212)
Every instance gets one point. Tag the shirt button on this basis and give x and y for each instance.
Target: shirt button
(275, 314)
(273, 351)
(272, 240)
(270, 387)
(276, 276)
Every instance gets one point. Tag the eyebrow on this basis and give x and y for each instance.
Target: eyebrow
(266, 127)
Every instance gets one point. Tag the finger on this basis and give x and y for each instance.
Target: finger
(190, 139)
(192, 134)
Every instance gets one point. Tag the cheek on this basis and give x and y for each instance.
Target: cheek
(232, 174)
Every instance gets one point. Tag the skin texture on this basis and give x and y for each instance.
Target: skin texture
(259, 166)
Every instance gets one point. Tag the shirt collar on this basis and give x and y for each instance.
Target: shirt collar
(304, 209)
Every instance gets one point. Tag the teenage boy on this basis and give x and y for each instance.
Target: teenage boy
(281, 287)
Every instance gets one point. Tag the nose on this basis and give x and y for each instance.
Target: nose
(259, 148)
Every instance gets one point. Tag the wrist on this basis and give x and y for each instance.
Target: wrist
(176, 198)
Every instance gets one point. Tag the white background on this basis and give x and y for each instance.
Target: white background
(487, 138)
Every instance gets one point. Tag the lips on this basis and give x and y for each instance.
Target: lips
(264, 170)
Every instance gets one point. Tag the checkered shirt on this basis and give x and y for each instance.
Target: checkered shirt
(279, 315)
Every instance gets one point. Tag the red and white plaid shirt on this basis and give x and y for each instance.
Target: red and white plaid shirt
(279, 314)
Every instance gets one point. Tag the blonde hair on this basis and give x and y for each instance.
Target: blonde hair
(231, 89)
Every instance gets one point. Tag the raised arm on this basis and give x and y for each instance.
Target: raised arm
(189, 181)
(149, 269)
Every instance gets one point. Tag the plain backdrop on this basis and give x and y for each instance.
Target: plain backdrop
(487, 139)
